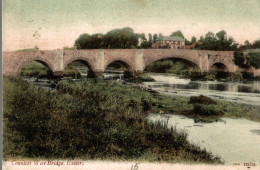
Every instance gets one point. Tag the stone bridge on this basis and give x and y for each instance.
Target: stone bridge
(97, 60)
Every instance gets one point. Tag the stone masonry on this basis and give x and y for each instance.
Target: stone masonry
(97, 60)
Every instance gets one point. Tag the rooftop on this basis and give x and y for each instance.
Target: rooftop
(164, 38)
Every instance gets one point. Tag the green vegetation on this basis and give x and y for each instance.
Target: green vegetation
(177, 33)
(28, 50)
(139, 78)
(126, 38)
(250, 46)
(207, 110)
(239, 59)
(173, 67)
(35, 69)
(201, 100)
(82, 120)
(251, 59)
(219, 42)
(235, 76)
(117, 38)
(69, 48)
(204, 106)
(70, 71)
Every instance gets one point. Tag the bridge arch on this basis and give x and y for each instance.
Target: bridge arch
(218, 67)
(121, 61)
(184, 60)
(87, 62)
(43, 61)
(193, 56)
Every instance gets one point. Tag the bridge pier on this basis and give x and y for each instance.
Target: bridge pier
(136, 60)
(57, 73)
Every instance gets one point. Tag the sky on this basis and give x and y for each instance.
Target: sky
(53, 24)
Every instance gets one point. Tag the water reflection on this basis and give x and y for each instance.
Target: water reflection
(244, 91)
(234, 140)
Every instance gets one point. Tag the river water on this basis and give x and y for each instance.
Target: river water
(244, 91)
(234, 140)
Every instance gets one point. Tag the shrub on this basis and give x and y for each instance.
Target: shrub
(71, 72)
(35, 69)
(235, 76)
(201, 100)
(82, 120)
(206, 110)
(239, 59)
(160, 66)
(141, 78)
(253, 59)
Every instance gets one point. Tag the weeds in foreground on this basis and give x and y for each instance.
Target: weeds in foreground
(89, 120)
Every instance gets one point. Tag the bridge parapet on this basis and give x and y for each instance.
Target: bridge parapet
(136, 60)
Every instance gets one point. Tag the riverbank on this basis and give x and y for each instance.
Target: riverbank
(90, 120)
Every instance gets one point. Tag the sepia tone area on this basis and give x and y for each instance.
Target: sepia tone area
(133, 84)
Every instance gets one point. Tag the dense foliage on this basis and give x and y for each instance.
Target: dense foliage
(115, 39)
(220, 41)
(248, 45)
(205, 106)
(126, 38)
(172, 66)
(251, 59)
(82, 120)
(239, 59)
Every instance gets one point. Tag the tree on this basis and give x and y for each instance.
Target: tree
(247, 43)
(256, 44)
(193, 40)
(177, 33)
(160, 35)
(220, 41)
(150, 40)
(120, 38)
(86, 41)
(155, 37)
(82, 41)
(145, 43)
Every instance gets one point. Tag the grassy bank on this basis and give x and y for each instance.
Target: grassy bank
(37, 69)
(90, 120)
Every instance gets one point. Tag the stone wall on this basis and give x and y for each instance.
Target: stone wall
(136, 60)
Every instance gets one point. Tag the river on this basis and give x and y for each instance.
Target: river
(237, 91)
(236, 141)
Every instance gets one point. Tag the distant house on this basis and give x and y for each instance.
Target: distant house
(169, 42)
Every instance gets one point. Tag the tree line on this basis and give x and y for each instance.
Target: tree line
(125, 38)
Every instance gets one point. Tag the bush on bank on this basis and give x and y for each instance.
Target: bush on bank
(169, 66)
(70, 71)
(207, 110)
(201, 100)
(252, 59)
(35, 69)
(88, 120)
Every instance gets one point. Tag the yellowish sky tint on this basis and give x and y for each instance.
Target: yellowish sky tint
(58, 23)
